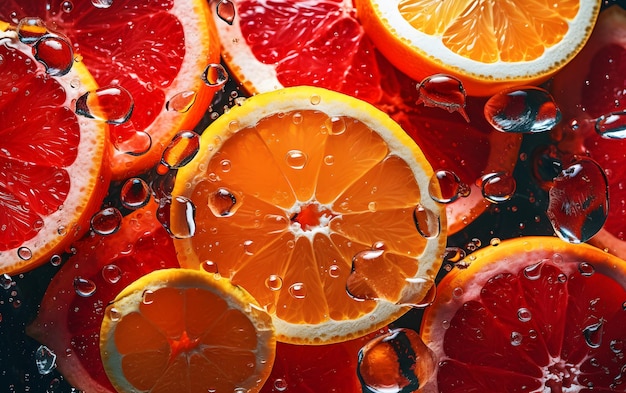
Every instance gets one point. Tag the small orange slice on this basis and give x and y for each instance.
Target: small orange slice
(533, 314)
(289, 188)
(488, 44)
(179, 330)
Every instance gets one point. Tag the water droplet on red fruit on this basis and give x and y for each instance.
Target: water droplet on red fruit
(55, 53)
(526, 110)
(226, 11)
(443, 91)
(112, 104)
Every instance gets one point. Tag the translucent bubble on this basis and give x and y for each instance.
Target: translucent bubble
(297, 290)
(395, 362)
(524, 314)
(336, 125)
(280, 385)
(215, 75)
(67, 6)
(428, 223)
(579, 201)
(111, 273)
(102, 3)
(612, 125)
(6, 281)
(107, 221)
(55, 53)
(185, 226)
(593, 334)
(84, 287)
(516, 338)
(24, 253)
(135, 193)
(296, 159)
(223, 203)
(130, 141)
(181, 102)
(31, 29)
(147, 297)
(533, 272)
(274, 282)
(55, 260)
(112, 104)
(443, 91)
(315, 99)
(497, 187)
(210, 267)
(45, 360)
(450, 185)
(586, 269)
(525, 110)
(114, 314)
(181, 150)
(226, 11)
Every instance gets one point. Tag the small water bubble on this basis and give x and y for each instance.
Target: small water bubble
(102, 3)
(586, 269)
(495, 241)
(226, 11)
(107, 221)
(223, 203)
(579, 201)
(616, 346)
(112, 104)
(334, 271)
(24, 253)
(130, 141)
(210, 267)
(612, 125)
(516, 338)
(215, 75)
(226, 165)
(248, 247)
(135, 193)
(428, 223)
(67, 6)
(6, 281)
(45, 360)
(55, 260)
(525, 110)
(296, 159)
(450, 185)
(84, 287)
(297, 290)
(181, 150)
(497, 187)
(280, 385)
(593, 334)
(336, 125)
(329, 159)
(181, 102)
(185, 227)
(274, 282)
(533, 272)
(454, 254)
(315, 99)
(443, 91)
(524, 314)
(111, 273)
(31, 29)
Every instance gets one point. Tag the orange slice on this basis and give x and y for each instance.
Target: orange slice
(186, 330)
(54, 174)
(490, 45)
(155, 50)
(288, 189)
(533, 314)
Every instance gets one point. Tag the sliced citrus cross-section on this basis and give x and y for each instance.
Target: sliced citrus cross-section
(186, 330)
(534, 314)
(489, 45)
(301, 192)
(53, 174)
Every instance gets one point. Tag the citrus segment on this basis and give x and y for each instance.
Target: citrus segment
(489, 45)
(306, 179)
(530, 314)
(53, 162)
(178, 329)
(155, 50)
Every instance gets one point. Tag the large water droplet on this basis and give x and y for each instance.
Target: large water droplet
(84, 287)
(215, 75)
(297, 290)
(102, 3)
(428, 222)
(579, 201)
(226, 11)
(526, 110)
(366, 280)
(55, 53)
(107, 221)
(296, 159)
(112, 104)
(274, 282)
(397, 362)
(126, 139)
(181, 102)
(111, 273)
(612, 125)
(524, 314)
(31, 29)
(185, 227)
(223, 203)
(497, 187)
(443, 91)
(593, 334)
(45, 360)
(450, 185)
(135, 193)
(181, 150)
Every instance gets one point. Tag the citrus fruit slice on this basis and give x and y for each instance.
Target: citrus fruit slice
(488, 45)
(154, 50)
(588, 88)
(186, 330)
(533, 314)
(294, 184)
(321, 43)
(54, 174)
(72, 308)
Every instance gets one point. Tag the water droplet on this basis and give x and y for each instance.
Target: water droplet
(226, 11)
(329, 159)
(181, 102)
(334, 271)
(450, 185)
(524, 314)
(280, 385)
(84, 287)
(593, 334)
(428, 223)
(215, 75)
(495, 241)
(181, 150)
(210, 267)
(114, 314)
(111, 273)
(102, 3)
(579, 201)
(129, 141)
(55, 260)
(45, 360)
(336, 125)
(586, 269)
(67, 6)
(147, 297)
(274, 282)
(185, 227)
(527, 110)
(413, 293)
(315, 99)
(454, 254)
(297, 290)
(612, 125)
(296, 159)
(223, 203)
(135, 193)
(107, 221)
(395, 362)
(533, 272)
(443, 91)
(112, 104)
(617, 346)
(6, 281)
(365, 281)
(31, 29)
(24, 253)
(516, 338)
(55, 53)
(497, 187)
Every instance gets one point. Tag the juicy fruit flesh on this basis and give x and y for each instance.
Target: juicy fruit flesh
(492, 31)
(329, 171)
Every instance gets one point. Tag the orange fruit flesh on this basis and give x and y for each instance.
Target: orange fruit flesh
(307, 219)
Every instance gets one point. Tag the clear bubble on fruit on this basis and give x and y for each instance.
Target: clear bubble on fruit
(45, 360)
(226, 11)
(210, 267)
(593, 334)
(84, 287)
(24, 253)
(111, 273)
(6, 281)
(533, 272)
(67, 6)
(274, 282)
(223, 203)
(524, 110)
(413, 294)
(396, 362)
(181, 150)
(443, 91)
(297, 290)
(336, 125)
(31, 29)
(102, 3)
(524, 314)
(612, 125)
(497, 187)
(280, 384)
(129, 141)
(367, 279)
(579, 201)
(163, 185)
(586, 269)
(296, 159)
(112, 104)
(427, 222)
(450, 185)
(185, 227)
(55, 53)
(135, 193)
(215, 75)
(181, 102)
(107, 221)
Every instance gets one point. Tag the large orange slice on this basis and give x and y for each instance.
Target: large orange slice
(533, 314)
(291, 187)
(490, 45)
(154, 50)
(53, 172)
(322, 43)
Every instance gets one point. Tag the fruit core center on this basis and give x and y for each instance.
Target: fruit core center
(312, 216)
(181, 345)
(560, 375)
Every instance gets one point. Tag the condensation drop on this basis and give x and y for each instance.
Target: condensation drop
(111, 273)
(185, 227)
(296, 159)
(6, 281)
(366, 282)
(612, 125)
(112, 104)
(516, 338)
(450, 185)
(497, 187)
(45, 360)
(336, 125)
(55, 53)
(84, 287)
(280, 385)
(181, 150)
(223, 203)
(274, 282)
(533, 272)
(427, 222)
(107, 221)
(135, 193)
(129, 141)
(443, 91)
(181, 102)
(102, 3)
(215, 75)
(210, 267)
(24, 253)
(524, 314)
(147, 297)
(226, 11)
(586, 269)
(31, 29)
(297, 290)
(593, 334)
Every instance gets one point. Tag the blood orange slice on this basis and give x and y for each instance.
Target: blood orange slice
(534, 314)
(72, 309)
(53, 173)
(153, 49)
(321, 43)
